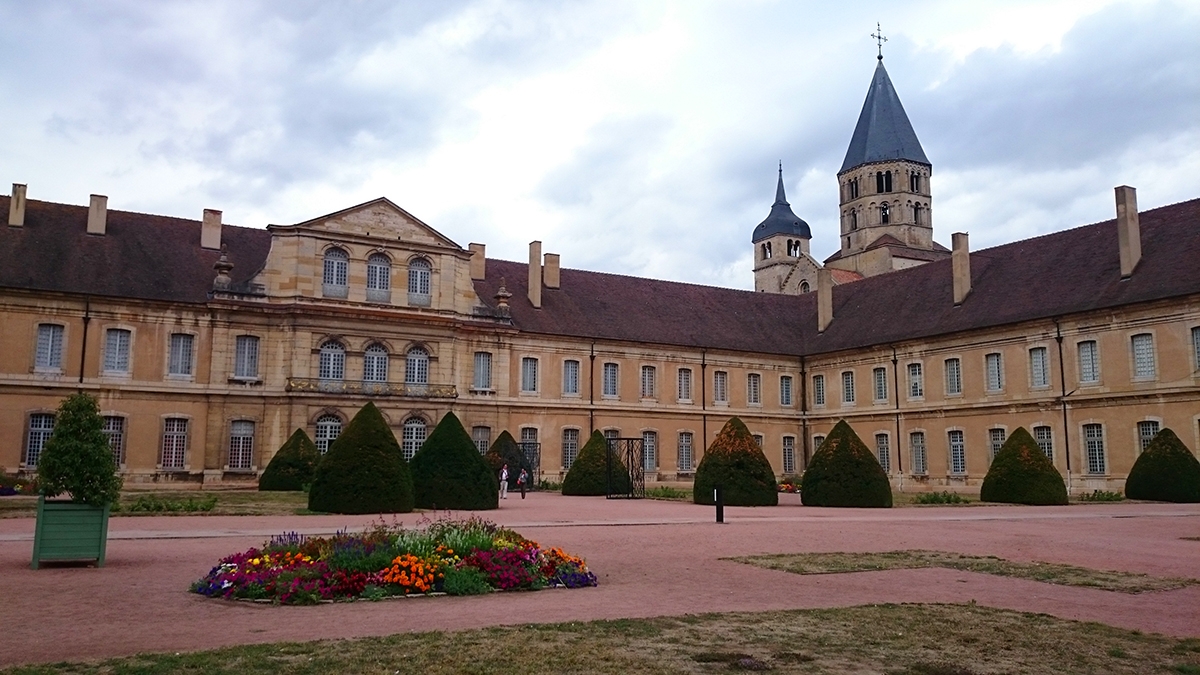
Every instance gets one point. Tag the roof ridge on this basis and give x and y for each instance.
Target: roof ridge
(159, 216)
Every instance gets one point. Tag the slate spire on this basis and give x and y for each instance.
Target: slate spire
(781, 219)
(883, 131)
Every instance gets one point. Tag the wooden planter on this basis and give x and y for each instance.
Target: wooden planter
(70, 532)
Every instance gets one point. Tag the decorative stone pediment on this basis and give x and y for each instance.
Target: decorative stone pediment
(377, 219)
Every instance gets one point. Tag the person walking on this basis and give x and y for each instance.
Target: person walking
(522, 481)
(504, 482)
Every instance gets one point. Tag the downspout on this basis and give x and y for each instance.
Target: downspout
(704, 398)
(896, 389)
(592, 390)
(87, 318)
(804, 411)
(1062, 378)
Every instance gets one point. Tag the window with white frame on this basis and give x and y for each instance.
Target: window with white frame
(329, 427)
(994, 364)
(41, 425)
(332, 361)
(789, 454)
(241, 444)
(754, 389)
(720, 386)
(995, 442)
(529, 435)
(817, 441)
(609, 380)
(1039, 367)
(848, 386)
(179, 362)
(684, 451)
(684, 384)
(785, 390)
(1147, 430)
(482, 377)
(116, 350)
(879, 379)
(174, 442)
(245, 361)
(1143, 356)
(758, 439)
(953, 377)
(114, 432)
(412, 436)
(1045, 440)
(333, 278)
(916, 381)
(649, 450)
(570, 447)
(883, 451)
(375, 363)
(916, 445)
(49, 350)
(958, 452)
(416, 366)
(379, 278)
(1089, 362)
(529, 374)
(649, 382)
(419, 274)
(571, 377)
(482, 436)
(818, 390)
(1093, 440)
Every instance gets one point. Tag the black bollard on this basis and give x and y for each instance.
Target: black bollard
(719, 498)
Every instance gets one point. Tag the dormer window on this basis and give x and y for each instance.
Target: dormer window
(884, 215)
(379, 278)
(333, 282)
(419, 273)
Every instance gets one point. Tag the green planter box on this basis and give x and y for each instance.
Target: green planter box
(69, 532)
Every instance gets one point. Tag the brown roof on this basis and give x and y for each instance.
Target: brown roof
(899, 249)
(844, 276)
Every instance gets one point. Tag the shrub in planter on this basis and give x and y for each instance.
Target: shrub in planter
(506, 451)
(1167, 471)
(1022, 474)
(737, 463)
(364, 471)
(77, 458)
(449, 472)
(844, 472)
(292, 467)
(588, 475)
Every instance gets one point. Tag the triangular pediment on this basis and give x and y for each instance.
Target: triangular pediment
(379, 218)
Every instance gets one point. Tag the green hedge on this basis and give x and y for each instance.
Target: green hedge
(1167, 472)
(588, 475)
(292, 466)
(737, 463)
(506, 451)
(449, 472)
(363, 471)
(1022, 474)
(844, 472)
(77, 458)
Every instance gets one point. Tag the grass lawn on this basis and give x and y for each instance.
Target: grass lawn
(892, 639)
(228, 503)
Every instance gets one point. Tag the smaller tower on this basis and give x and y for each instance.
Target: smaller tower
(781, 249)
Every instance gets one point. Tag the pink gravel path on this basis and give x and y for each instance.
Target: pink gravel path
(653, 558)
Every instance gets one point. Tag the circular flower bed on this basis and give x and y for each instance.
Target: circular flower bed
(386, 561)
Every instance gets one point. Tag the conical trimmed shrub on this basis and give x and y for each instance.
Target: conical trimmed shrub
(588, 475)
(1167, 472)
(506, 451)
(844, 472)
(77, 458)
(736, 463)
(449, 472)
(292, 466)
(363, 471)
(1022, 474)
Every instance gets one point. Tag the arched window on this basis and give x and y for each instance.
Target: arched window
(879, 181)
(419, 272)
(854, 220)
(332, 362)
(379, 278)
(764, 251)
(337, 262)
(375, 363)
(914, 182)
(803, 286)
(917, 214)
(413, 436)
(416, 366)
(884, 216)
(329, 427)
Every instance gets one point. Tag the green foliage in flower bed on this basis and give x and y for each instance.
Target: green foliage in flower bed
(940, 498)
(77, 459)
(161, 504)
(1102, 496)
(11, 485)
(292, 466)
(449, 473)
(588, 475)
(386, 561)
(735, 461)
(364, 470)
(1167, 472)
(844, 472)
(1022, 474)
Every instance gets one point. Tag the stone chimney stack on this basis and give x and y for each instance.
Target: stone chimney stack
(535, 274)
(16, 207)
(98, 215)
(1128, 230)
(824, 299)
(960, 261)
(210, 229)
(478, 261)
(550, 273)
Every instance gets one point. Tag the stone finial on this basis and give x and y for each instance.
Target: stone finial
(502, 296)
(223, 267)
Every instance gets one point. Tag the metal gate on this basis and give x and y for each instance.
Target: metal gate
(625, 459)
(531, 453)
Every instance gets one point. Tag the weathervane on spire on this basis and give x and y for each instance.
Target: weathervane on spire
(879, 39)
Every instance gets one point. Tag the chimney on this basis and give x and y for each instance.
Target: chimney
(1128, 231)
(16, 207)
(960, 261)
(210, 229)
(98, 215)
(824, 299)
(550, 271)
(535, 274)
(478, 262)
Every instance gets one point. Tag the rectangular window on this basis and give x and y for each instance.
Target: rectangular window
(49, 347)
(571, 377)
(180, 362)
(40, 427)
(609, 381)
(649, 382)
(883, 451)
(241, 445)
(958, 453)
(482, 436)
(1143, 356)
(529, 435)
(916, 444)
(114, 431)
(1045, 440)
(754, 389)
(1039, 367)
(995, 372)
(995, 442)
(916, 381)
(685, 451)
(1196, 348)
(570, 447)
(758, 438)
(650, 450)
(720, 386)
(818, 390)
(789, 454)
(785, 390)
(174, 442)
(685, 384)
(1147, 430)
(116, 350)
(848, 387)
(482, 379)
(1093, 439)
(612, 434)
(817, 441)
(529, 374)
(953, 377)
(1089, 362)
(245, 364)
(879, 379)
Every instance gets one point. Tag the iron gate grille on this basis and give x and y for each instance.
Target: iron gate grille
(531, 454)
(625, 456)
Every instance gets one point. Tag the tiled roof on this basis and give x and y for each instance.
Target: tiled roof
(899, 249)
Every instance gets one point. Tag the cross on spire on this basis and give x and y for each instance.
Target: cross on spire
(879, 40)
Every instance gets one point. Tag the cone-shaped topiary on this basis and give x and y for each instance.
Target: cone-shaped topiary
(1167, 472)
(1022, 474)
(77, 458)
(736, 463)
(844, 472)
(506, 451)
(588, 475)
(292, 466)
(449, 472)
(364, 471)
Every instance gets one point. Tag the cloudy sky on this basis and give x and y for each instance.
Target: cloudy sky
(633, 137)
